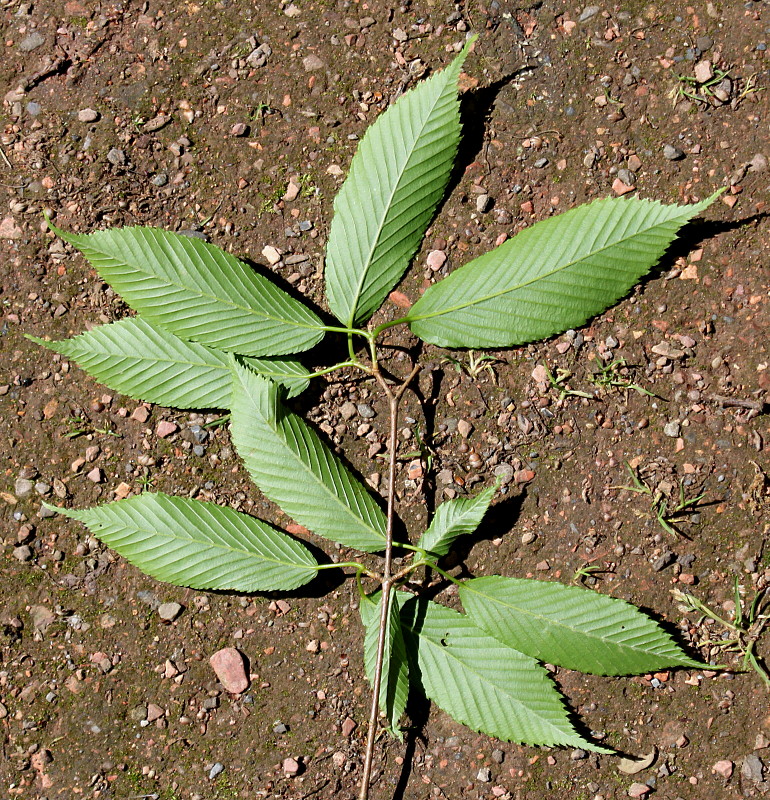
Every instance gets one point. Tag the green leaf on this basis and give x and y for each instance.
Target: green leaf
(197, 544)
(149, 363)
(394, 686)
(296, 470)
(455, 518)
(483, 683)
(572, 627)
(198, 291)
(550, 277)
(396, 180)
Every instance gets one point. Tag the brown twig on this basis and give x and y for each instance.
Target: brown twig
(736, 402)
(394, 398)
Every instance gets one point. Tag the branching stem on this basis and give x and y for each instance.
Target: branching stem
(394, 399)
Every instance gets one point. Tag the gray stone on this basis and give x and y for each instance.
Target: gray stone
(672, 429)
(116, 157)
(751, 769)
(366, 411)
(504, 473)
(484, 775)
(312, 63)
(31, 42)
(23, 553)
(23, 487)
(168, 612)
(663, 560)
(483, 202)
(588, 12)
(671, 153)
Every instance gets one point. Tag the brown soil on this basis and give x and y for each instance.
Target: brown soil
(196, 127)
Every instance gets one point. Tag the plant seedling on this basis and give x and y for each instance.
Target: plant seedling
(211, 333)
(746, 628)
(559, 382)
(689, 87)
(667, 518)
(588, 571)
(613, 375)
(475, 364)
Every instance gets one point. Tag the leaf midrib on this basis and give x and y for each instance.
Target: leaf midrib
(529, 710)
(375, 239)
(524, 284)
(252, 451)
(237, 550)
(550, 621)
(206, 296)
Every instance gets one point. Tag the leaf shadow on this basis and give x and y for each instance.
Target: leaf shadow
(695, 233)
(499, 520)
(476, 107)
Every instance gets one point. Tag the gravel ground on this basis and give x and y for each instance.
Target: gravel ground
(237, 123)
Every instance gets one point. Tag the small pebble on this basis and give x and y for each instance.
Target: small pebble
(166, 429)
(365, 411)
(230, 668)
(23, 487)
(88, 115)
(168, 612)
(671, 153)
(464, 428)
(23, 553)
(436, 259)
(215, 770)
(751, 769)
(484, 775)
(290, 767)
(96, 475)
(588, 12)
(116, 157)
(672, 429)
(723, 768)
(483, 203)
(348, 726)
(31, 42)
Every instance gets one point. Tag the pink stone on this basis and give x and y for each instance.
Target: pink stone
(95, 475)
(141, 413)
(348, 726)
(290, 766)
(165, 429)
(523, 475)
(229, 665)
(154, 712)
(9, 229)
(638, 790)
(436, 259)
(723, 768)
